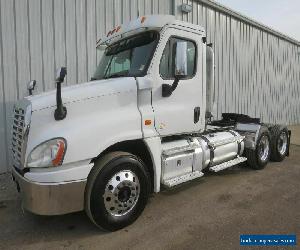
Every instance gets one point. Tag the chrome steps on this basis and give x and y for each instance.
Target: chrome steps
(181, 179)
(227, 164)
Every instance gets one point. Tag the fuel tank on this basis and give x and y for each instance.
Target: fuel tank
(191, 154)
(220, 147)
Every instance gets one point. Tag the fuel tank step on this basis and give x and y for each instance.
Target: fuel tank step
(181, 179)
(227, 164)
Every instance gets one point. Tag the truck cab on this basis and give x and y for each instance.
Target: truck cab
(142, 123)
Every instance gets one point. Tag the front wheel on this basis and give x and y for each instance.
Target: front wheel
(117, 191)
(259, 158)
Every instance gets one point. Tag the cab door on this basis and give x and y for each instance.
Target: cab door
(182, 111)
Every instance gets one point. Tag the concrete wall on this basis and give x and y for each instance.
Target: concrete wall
(257, 69)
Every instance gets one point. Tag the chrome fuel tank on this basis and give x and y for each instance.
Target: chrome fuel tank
(220, 147)
(191, 154)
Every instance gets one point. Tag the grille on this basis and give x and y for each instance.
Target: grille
(18, 134)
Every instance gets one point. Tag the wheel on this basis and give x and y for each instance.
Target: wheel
(279, 143)
(117, 190)
(259, 158)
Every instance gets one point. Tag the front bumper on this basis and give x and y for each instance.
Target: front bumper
(50, 198)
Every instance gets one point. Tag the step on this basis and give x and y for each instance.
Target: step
(227, 164)
(181, 179)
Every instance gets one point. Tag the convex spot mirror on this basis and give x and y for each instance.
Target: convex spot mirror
(31, 86)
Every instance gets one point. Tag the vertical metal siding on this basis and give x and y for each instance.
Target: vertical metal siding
(256, 72)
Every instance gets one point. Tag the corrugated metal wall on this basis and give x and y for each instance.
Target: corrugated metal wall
(38, 36)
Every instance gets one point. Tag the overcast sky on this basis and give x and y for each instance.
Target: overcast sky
(281, 15)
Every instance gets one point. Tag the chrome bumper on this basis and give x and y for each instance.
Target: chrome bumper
(50, 198)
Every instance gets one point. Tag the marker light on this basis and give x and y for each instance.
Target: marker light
(118, 28)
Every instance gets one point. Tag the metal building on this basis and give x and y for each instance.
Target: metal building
(257, 68)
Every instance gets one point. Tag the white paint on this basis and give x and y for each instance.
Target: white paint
(75, 172)
(175, 114)
(154, 147)
(100, 114)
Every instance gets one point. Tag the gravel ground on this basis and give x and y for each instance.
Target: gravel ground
(208, 213)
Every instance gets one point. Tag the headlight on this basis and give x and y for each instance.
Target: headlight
(48, 154)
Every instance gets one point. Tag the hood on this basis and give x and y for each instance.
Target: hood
(82, 92)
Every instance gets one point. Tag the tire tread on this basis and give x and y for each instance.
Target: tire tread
(94, 173)
(275, 132)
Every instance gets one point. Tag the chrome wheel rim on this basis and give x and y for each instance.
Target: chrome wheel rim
(121, 193)
(282, 143)
(264, 148)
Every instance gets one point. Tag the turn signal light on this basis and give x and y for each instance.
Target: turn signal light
(59, 154)
(148, 122)
(115, 30)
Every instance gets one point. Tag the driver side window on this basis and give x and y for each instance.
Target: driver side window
(167, 63)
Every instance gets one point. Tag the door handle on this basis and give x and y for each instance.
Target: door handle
(196, 114)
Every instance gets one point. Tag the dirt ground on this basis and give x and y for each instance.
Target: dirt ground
(208, 213)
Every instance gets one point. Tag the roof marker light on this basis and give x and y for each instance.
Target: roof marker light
(118, 28)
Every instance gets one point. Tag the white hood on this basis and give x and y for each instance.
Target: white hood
(81, 92)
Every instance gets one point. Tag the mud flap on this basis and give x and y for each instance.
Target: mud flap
(289, 142)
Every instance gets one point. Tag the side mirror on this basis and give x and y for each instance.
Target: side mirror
(60, 74)
(180, 68)
(31, 86)
(181, 59)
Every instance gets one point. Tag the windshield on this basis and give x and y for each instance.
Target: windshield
(129, 57)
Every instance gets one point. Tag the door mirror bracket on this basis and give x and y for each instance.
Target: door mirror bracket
(168, 89)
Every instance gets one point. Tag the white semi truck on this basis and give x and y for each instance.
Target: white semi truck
(143, 122)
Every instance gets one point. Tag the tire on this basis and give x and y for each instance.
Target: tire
(117, 191)
(257, 159)
(279, 143)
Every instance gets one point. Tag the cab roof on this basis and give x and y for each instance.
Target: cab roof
(148, 22)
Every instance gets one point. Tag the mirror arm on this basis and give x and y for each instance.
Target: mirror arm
(61, 111)
(167, 89)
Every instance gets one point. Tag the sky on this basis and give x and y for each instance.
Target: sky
(281, 15)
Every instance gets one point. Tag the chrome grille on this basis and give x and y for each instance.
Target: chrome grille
(18, 136)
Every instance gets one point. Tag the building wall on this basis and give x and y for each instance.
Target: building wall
(38, 36)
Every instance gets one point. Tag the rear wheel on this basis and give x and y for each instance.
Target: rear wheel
(259, 158)
(279, 143)
(117, 191)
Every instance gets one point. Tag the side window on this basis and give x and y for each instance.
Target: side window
(167, 63)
